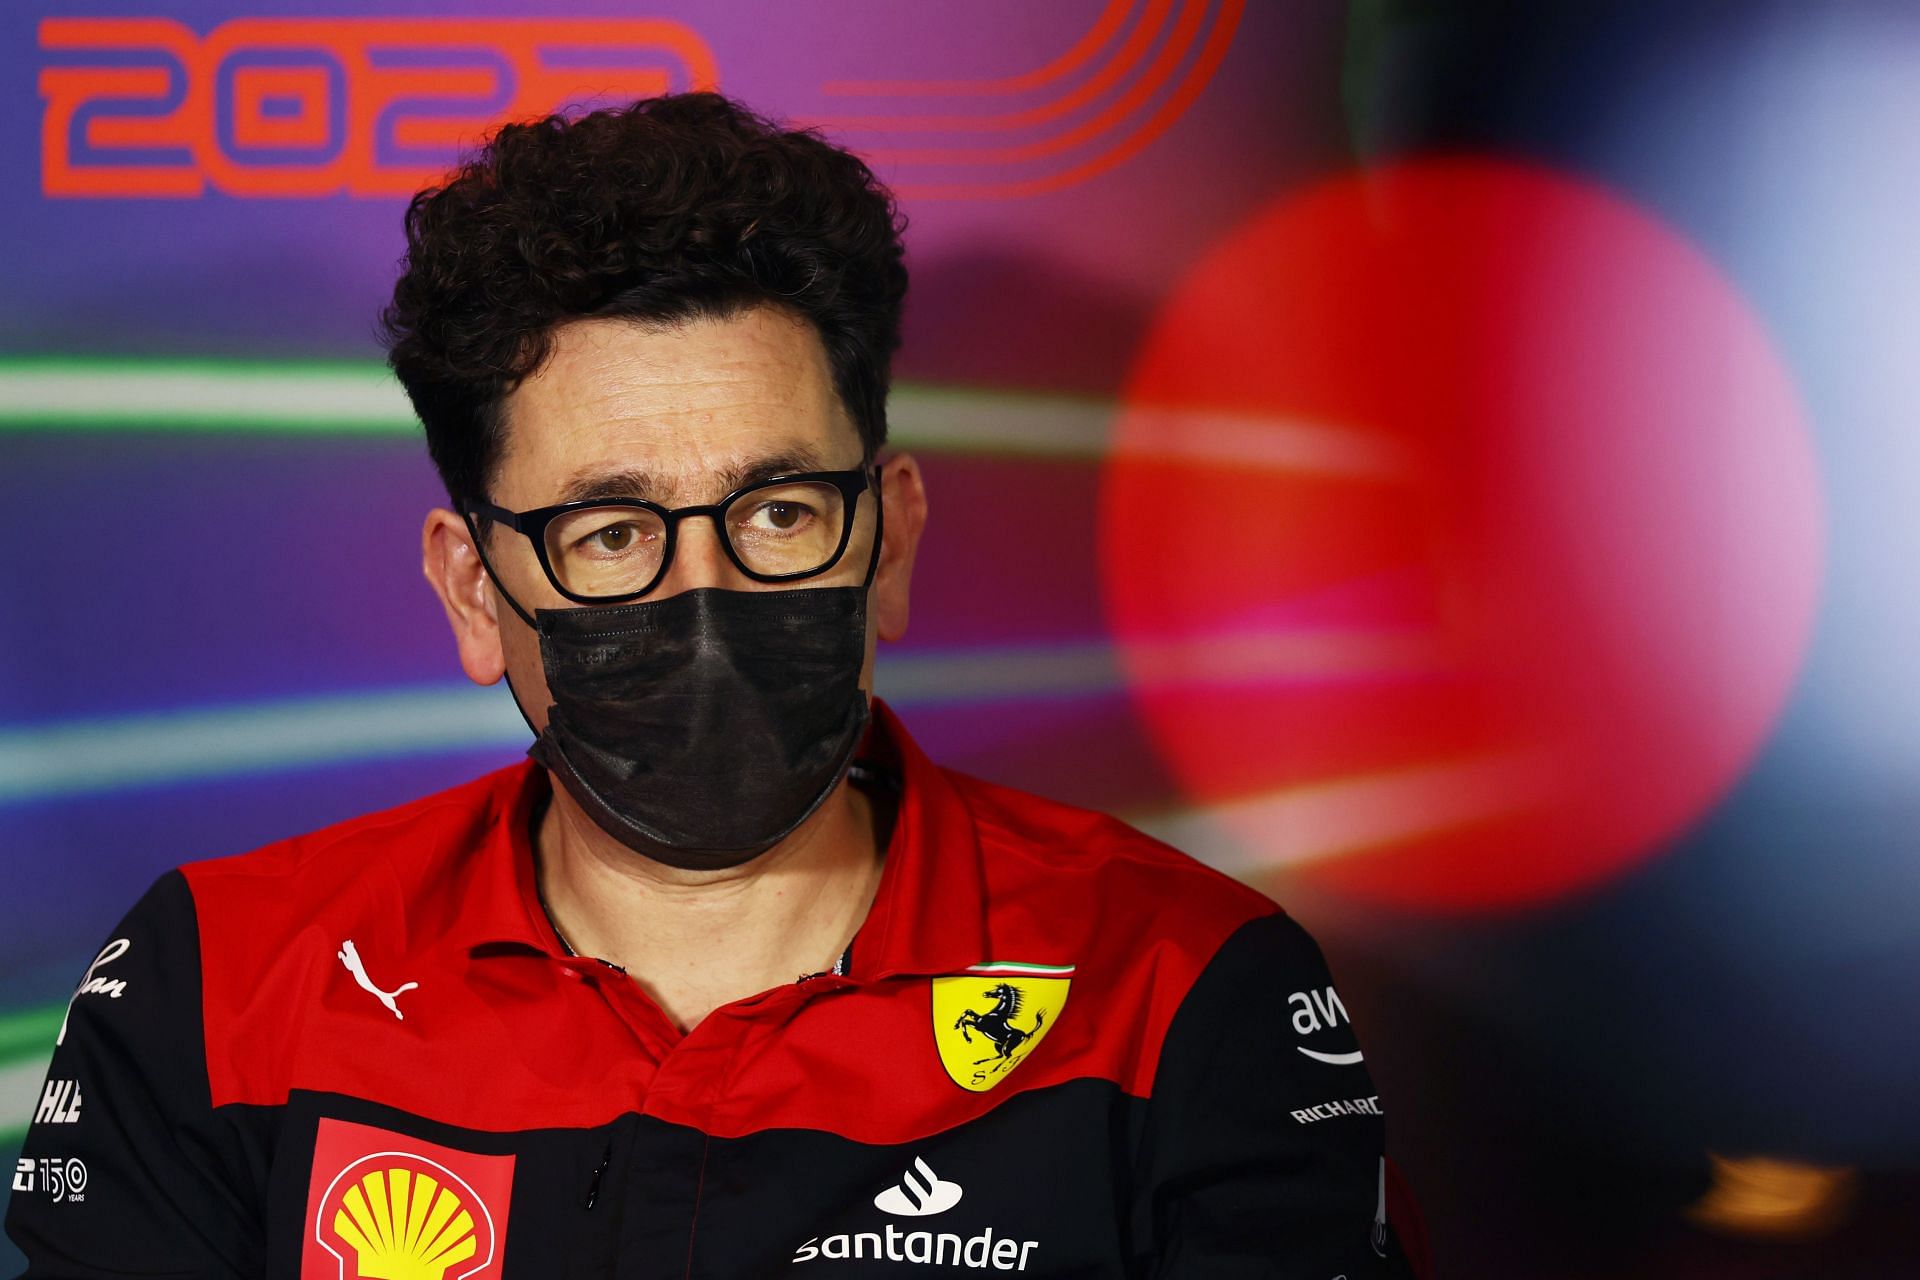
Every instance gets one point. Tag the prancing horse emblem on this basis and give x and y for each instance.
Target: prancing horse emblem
(986, 1021)
(997, 1025)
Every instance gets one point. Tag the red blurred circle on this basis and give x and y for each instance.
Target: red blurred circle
(1461, 535)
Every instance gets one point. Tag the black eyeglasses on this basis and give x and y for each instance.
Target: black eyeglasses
(603, 550)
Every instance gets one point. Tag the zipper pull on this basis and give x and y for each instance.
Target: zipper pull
(593, 1188)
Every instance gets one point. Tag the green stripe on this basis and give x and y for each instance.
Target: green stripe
(21, 1086)
(26, 1042)
(361, 398)
(29, 1033)
(78, 757)
(203, 424)
(215, 365)
(84, 394)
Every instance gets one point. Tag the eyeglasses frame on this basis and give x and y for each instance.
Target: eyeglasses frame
(532, 524)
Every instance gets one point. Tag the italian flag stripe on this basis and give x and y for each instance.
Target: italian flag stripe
(1033, 970)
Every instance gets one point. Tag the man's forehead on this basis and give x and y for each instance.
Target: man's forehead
(676, 414)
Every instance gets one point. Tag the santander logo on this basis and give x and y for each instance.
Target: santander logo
(919, 1194)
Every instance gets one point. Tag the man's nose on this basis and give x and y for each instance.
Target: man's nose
(699, 559)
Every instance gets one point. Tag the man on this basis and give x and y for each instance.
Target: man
(548, 1023)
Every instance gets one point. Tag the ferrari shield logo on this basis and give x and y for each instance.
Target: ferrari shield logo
(989, 1018)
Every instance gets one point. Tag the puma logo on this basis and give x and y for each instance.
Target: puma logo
(350, 957)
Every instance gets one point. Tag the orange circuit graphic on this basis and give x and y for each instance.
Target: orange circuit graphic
(304, 107)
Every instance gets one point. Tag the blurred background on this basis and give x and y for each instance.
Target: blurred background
(1451, 465)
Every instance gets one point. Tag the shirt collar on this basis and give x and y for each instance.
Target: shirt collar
(500, 905)
(928, 914)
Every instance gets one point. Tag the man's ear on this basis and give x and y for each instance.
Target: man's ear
(903, 494)
(453, 568)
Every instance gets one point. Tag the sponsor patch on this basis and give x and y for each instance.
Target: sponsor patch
(59, 1103)
(1320, 1010)
(93, 984)
(349, 955)
(65, 1180)
(1367, 1106)
(987, 1020)
(382, 1204)
(921, 1193)
(979, 1252)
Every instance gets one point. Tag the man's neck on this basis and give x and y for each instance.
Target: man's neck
(695, 940)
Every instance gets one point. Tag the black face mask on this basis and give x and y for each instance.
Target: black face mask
(702, 729)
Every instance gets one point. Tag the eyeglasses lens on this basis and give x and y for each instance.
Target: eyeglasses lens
(775, 530)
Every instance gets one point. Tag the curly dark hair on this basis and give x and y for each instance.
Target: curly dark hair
(672, 208)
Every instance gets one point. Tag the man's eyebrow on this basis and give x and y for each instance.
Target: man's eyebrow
(607, 484)
(786, 462)
(629, 483)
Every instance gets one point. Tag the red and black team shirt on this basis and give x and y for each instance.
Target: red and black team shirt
(1059, 1048)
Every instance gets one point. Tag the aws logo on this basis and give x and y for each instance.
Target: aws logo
(304, 107)
(388, 1207)
(1321, 1010)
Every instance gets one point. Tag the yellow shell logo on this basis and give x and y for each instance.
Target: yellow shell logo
(405, 1218)
(987, 1020)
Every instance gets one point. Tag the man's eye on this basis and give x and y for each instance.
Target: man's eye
(613, 539)
(783, 517)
